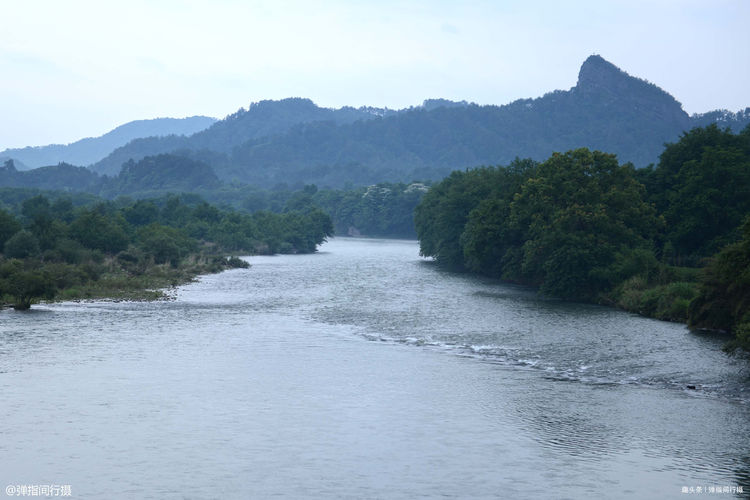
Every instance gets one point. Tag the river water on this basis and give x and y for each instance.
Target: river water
(364, 371)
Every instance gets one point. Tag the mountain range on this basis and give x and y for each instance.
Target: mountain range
(93, 149)
(294, 142)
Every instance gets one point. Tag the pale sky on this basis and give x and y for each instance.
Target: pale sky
(72, 69)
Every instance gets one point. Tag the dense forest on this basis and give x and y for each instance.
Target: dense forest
(671, 241)
(385, 209)
(53, 248)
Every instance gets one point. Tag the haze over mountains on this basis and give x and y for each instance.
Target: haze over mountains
(261, 119)
(92, 149)
(294, 142)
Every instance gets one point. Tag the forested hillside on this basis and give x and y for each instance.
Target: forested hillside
(261, 119)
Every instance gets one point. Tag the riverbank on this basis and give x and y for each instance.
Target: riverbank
(154, 283)
(130, 250)
(665, 295)
(117, 278)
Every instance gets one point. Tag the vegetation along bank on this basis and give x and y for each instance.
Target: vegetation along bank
(670, 241)
(124, 249)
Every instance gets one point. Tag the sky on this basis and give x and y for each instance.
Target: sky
(75, 68)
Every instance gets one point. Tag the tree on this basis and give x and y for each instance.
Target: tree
(43, 223)
(141, 213)
(443, 216)
(164, 244)
(8, 227)
(24, 286)
(577, 214)
(724, 299)
(702, 186)
(21, 245)
(98, 231)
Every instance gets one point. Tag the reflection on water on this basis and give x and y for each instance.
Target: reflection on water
(365, 371)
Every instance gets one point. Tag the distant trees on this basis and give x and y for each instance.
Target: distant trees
(96, 230)
(21, 245)
(384, 209)
(160, 173)
(441, 216)
(166, 245)
(8, 227)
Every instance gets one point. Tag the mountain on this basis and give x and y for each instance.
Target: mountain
(150, 176)
(607, 110)
(293, 142)
(62, 177)
(296, 142)
(162, 173)
(261, 119)
(92, 149)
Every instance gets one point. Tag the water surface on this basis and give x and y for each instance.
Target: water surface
(363, 371)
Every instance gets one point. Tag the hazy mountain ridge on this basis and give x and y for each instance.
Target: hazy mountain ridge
(295, 142)
(162, 173)
(64, 177)
(607, 110)
(261, 119)
(153, 174)
(92, 149)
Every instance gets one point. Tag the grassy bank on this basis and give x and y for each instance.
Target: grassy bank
(120, 277)
(666, 295)
(151, 283)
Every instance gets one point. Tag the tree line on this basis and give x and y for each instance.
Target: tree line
(384, 209)
(55, 249)
(670, 241)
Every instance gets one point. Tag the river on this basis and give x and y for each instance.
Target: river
(364, 371)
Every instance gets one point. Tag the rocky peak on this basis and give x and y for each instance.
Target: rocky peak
(9, 166)
(596, 72)
(604, 82)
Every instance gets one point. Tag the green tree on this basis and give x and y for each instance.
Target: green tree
(24, 286)
(98, 231)
(724, 299)
(21, 245)
(577, 214)
(164, 244)
(702, 186)
(141, 213)
(8, 227)
(442, 215)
